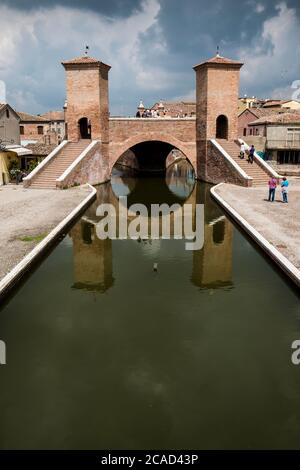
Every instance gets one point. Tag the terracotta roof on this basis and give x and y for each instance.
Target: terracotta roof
(260, 112)
(40, 148)
(217, 59)
(278, 118)
(54, 116)
(174, 108)
(274, 103)
(31, 117)
(84, 60)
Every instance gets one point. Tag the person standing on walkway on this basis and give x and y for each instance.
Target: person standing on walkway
(284, 189)
(272, 188)
(242, 150)
(251, 154)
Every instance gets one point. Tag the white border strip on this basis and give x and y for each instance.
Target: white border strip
(45, 161)
(261, 161)
(77, 161)
(231, 160)
(19, 270)
(276, 256)
(160, 119)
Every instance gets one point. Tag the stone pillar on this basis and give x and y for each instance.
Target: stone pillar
(87, 98)
(217, 92)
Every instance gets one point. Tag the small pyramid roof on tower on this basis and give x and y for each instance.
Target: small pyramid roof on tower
(84, 60)
(219, 60)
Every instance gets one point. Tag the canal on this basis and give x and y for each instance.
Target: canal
(104, 352)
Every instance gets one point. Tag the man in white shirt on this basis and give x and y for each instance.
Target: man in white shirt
(242, 150)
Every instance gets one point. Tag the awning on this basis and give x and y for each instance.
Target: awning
(18, 149)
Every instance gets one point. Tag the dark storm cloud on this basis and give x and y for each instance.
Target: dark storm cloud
(152, 46)
(113, 8)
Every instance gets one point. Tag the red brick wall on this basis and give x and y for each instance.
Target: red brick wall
(243, 120)
(31, 131)
(217, 89)
(219, 170)
(125, 133)
(87, 96)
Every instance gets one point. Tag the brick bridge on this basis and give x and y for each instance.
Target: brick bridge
(95, 141)
(126, 133)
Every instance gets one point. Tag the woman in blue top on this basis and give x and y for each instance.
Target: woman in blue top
(284, 189)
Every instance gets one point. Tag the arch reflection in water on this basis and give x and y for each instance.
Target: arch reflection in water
(211, 267)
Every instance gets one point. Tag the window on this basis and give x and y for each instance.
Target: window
(245, 131)
(22, 130)
(293, 135)
(40, 129)
(7, 113)
(256, 131)
(289, 157)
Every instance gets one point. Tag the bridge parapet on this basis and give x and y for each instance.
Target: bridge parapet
(124, 133)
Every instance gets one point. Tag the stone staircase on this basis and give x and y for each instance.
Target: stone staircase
(259, 175)
(47, 177)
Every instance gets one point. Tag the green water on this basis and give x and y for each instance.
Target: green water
(103, 352)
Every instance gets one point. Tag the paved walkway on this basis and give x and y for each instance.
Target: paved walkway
(27, 215)
(279, 223)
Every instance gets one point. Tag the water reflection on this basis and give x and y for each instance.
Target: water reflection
(92, 259)
(105, 353)
(211, 267)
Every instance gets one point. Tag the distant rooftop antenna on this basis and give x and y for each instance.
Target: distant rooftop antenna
(87, 48)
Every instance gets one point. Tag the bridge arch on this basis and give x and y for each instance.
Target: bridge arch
(119, 148)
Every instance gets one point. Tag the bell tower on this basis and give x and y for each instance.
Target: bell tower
(217, 92)
(87, 112)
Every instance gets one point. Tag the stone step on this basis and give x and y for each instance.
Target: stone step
(254, 170)
(48, 175)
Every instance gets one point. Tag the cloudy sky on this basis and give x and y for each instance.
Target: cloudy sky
(151, 45)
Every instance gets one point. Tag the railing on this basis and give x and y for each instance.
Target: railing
(261, 162)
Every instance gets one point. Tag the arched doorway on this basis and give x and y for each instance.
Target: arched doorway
(222, 127)
(84, 128)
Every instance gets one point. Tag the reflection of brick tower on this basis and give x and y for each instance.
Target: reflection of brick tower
(212, 265)
(217, 88)
(87, 99)
(92, 259)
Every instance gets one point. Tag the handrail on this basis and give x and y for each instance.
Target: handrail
(46, 160)
(261, 161)
(231, 160)
(77, 161)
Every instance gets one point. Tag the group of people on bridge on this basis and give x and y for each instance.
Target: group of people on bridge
(147, 113)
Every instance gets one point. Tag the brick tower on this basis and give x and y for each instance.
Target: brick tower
(87, 110)
(217, 90)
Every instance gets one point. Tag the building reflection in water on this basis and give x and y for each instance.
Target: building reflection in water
(92, 259)
(211, 266)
